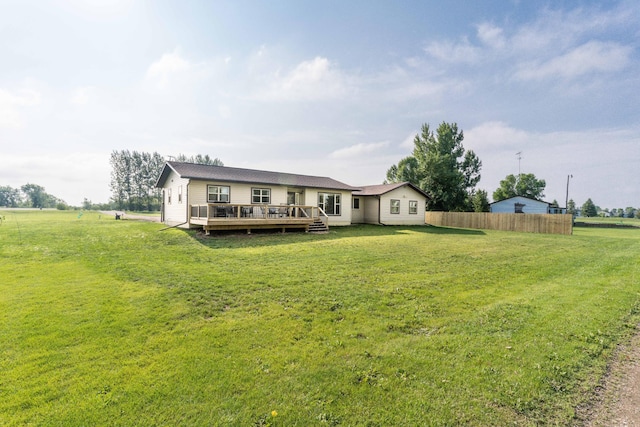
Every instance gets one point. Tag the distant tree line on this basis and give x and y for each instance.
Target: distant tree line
(590, 209)
(29, 196)
(134, 175)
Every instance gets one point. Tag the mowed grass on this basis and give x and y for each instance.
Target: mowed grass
(106, 322)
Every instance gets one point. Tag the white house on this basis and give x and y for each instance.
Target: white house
(222, 198)
(389, 204)
(225, 198)
(520, 204)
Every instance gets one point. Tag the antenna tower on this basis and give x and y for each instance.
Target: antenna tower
(519, 154)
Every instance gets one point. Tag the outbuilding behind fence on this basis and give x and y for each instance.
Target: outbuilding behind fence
(527, 223)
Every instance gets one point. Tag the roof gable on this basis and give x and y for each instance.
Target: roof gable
(522, 198)
(378, 190)
(229, 174)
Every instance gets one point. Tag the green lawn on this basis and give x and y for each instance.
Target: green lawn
(106, 322)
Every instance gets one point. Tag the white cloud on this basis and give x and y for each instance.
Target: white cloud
(496, 134)
(408, 141)
(447, 51)
(590, 57)
(358, 150)
(82, 95)
(491, 36)
(314, 80)
(169, 65)
(11, 104)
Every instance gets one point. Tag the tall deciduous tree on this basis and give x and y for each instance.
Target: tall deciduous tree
(134, 175)
(39, 198)
(10, 197)
(525, 185)
(133, 178)
(36, 195)
(571, 207)
(441, 167)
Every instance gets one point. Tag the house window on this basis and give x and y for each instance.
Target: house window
(395, 206)
(169, 195)
(413, 207)
(261, 195)
(217, 194)
(356, 203)
(180, 194)
(329, 203)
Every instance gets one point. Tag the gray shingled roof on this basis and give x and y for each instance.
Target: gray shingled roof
(377, 190)
(228, 174)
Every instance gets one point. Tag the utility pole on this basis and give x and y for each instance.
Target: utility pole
(566, 200)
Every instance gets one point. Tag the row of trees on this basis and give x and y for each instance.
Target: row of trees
(590, 209)
(134, 175)
(29, 196)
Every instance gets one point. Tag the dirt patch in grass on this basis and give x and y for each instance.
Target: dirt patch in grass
(617, 402)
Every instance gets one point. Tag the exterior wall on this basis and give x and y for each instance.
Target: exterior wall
(357, 215)
(404, 194)
(241, 194)
(311, 199)
(175, 207)
(530, 206)
(368, 212)
(377, 209)
(238, 193)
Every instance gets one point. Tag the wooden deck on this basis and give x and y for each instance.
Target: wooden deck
(226, 216)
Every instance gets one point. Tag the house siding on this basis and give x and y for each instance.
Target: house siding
(311, 199)
(238, 193)
(241, 194)
(357, 215)
(371, 209)
(404, 195)
(530, 206)
(376, 209)
(175, 210)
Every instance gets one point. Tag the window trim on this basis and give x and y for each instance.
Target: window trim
(396, 207)
(261, 196)
(337, 203)
(356, 203)
(218, 193)
(413, 210)
(169, 195)
(180, 194)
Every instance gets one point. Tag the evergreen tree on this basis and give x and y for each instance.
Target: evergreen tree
(589, 209)
(480, 201)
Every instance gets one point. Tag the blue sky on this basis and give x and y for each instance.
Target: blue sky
(327, 88)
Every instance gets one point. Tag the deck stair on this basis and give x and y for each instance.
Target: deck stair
(318, 226)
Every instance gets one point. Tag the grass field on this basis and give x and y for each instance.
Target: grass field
(106, 322)
(615, 221)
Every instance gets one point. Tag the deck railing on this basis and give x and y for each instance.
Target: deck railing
(219, 211)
